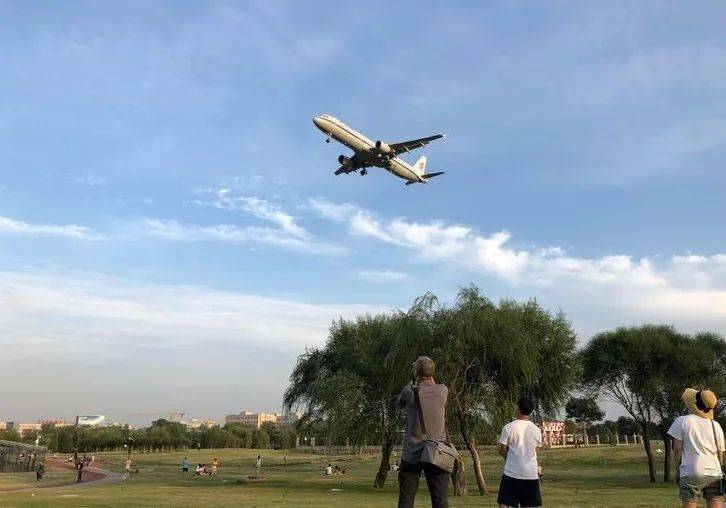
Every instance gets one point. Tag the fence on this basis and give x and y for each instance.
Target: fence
(20, 456)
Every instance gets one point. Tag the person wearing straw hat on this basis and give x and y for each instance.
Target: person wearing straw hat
(699, 447)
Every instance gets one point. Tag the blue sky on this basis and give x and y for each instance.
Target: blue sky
(172, 235)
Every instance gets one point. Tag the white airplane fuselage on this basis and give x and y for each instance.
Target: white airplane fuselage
(365, 149)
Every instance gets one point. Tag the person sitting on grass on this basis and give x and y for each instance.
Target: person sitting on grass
(201, 470)
(329, 470)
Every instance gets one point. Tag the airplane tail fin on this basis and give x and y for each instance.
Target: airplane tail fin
(420, 165)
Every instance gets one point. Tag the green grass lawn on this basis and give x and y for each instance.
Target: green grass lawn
(597, 476)
(52, 476)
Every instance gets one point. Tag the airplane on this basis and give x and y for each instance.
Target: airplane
(379, 154)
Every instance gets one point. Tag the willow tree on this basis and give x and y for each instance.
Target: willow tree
(706, 367)
(628, 365)
(351, 384)
(491, 354)
(643, 369)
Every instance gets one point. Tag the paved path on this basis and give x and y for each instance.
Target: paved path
(91, 476)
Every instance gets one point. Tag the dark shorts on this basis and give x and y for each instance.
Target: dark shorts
(515, 492)
(693, 487)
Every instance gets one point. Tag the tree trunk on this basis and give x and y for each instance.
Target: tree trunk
(458, 478)
(648, 453)
(386, 448)
(466, 436)
(667, 447)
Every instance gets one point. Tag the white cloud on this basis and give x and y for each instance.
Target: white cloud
(148, 347)
(88, 179)
(176, 231)
(382, 276)
(288, 235)
(143, 201)
(12, 226)
(688, 289)
(45, 312)
(260, 208)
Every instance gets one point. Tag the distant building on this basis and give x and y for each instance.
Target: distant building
(22, 428)
(177, 417)
(90, 420)
(57, 423)
(2, 425)
(196, 424)
(288, 419)
(256, 420)
(553, 432)
(251, 419)
(118, 424)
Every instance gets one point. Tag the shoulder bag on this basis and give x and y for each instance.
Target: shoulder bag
(438, 452)
(722, 481)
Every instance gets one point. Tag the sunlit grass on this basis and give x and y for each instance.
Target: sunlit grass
(598, 476)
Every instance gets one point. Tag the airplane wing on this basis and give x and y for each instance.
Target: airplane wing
(351, 168)
(407, 146)
(343, 169)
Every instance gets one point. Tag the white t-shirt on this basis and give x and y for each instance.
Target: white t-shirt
(699, 446)
(522, 437)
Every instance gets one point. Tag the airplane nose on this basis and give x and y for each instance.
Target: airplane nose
(318, 122)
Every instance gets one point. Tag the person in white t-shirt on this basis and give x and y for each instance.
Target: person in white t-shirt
(518, 444)
(699, 447)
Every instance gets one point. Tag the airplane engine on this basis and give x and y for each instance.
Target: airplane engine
(343, 160)
(383, 147)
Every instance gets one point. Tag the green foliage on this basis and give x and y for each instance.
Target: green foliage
(9, 435)
(486, 354)
(161, 435)
(260, 439)
(583, 410)
(647, 368)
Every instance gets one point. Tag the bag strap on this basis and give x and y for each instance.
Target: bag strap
(718, 448)
(421, 422)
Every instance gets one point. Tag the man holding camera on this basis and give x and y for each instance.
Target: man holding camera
(432, 400)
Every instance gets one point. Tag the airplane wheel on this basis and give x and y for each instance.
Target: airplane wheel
(363, 172)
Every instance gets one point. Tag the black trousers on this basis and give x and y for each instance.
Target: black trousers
(436, 479)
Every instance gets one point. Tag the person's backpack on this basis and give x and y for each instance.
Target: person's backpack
(438, 452)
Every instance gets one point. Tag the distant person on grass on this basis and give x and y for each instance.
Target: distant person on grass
(185, 465)
(518, 444)
(432, 398)
(79, 467)
(699, 447)
(39, 471)
(329, 470)
(127, 468)
(215, 466)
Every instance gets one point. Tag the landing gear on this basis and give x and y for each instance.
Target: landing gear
(327, 140)
(363, 172)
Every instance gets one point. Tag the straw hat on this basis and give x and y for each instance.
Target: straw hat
(700, 402)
